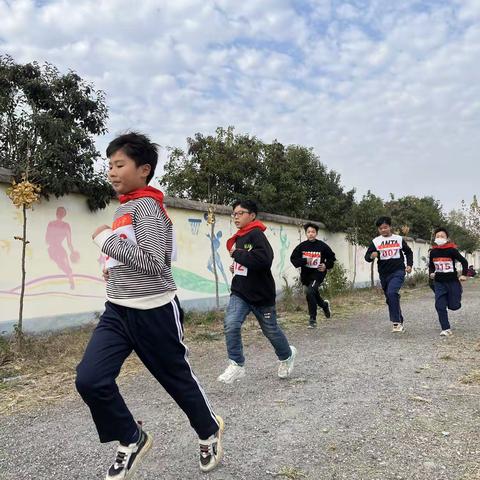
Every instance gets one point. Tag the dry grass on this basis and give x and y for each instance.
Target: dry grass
(471, 378)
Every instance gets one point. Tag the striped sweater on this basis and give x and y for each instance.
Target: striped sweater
(139, 255)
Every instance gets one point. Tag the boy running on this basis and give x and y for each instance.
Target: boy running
(253, 290)
(314, 257)
(447, 287)
(142, 314)
(390, 250)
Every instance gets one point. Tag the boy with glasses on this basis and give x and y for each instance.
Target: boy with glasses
(252, 290)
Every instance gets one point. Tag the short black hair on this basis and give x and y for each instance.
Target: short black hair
(249, 205)
(382, 220)
(440, 229)
(138, 147)
(311, 225)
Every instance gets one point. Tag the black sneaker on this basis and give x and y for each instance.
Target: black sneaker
(326, 309)
(129, 457)
(211, 449)
(312, 322)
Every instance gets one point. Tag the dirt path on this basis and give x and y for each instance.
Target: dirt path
(362, 404)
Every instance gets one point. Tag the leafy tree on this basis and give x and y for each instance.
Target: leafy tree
(48, 121)
(419, 215)
(287, 180)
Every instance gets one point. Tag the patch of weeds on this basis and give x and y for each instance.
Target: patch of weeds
(292, 473)
(471, 378)
(447, 357)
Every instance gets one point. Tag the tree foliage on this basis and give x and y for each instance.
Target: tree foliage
(287, 180)
(48, 122)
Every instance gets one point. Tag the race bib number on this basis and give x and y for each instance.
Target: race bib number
(239, 269)
(388, 248)
(123, 228)
(443, 265)
(313, 259)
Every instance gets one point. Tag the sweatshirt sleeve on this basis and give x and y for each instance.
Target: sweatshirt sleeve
(149, 253)
(460, 258)
(259, 257)
(431, 265)
(408, 252)
(329, 257)
(296, 257)
(371, 248)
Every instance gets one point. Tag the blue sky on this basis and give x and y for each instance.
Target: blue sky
(387, 93)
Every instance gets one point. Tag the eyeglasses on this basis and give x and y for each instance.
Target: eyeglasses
(239, 213)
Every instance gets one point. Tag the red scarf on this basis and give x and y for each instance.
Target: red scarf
(447, 245)
(144, 192)
(243, 231)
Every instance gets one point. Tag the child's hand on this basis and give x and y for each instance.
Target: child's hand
(231, 268)
(408, 269)
(373, 255)
(462, 278)
(100, 230)
(432, 276)
(105, 274)
(322, 267)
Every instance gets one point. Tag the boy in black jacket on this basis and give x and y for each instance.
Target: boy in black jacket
(314, 257)
(391, 250)
(253, 290)
(448, 290)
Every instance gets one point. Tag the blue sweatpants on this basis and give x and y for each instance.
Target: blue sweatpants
(447, 295)
(391, 285)
(156, 335)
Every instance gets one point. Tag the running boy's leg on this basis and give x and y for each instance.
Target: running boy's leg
(441, 303)
(391, 286)
(311, 295)
(267, 318)
(455, 291)
(108, 348)
(158, 341)
(235, 315)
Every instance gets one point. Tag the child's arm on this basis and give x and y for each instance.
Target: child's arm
(259, 257)
(148, 255)
(431, 265)
(296, 257)
(408, 253)
(460, 258)
(371, 249)
(329, 257)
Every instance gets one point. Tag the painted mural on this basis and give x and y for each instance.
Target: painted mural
(64, 267)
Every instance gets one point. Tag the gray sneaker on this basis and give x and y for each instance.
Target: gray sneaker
(286, 366)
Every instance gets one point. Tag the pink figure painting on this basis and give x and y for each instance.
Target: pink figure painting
(57, 232)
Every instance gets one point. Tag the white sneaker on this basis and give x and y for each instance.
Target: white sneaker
(398, 327)
(286, 366)
(446, 333)
(211, 450)
(233, 372)
(129, 457)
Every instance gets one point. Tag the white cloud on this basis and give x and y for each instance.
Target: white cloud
(384, 91)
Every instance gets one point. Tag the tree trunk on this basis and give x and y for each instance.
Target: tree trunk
(19, 327)
(214, 261)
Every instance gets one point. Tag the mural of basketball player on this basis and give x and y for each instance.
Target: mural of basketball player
(218, 261)
(57, 232)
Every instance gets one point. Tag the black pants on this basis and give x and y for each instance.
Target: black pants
(156, 335)
(314, 299)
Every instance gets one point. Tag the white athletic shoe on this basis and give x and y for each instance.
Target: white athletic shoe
(286, 366)
(211, 450)
(233, 372)
(446, 333)
(398, 327)
(129, 457)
